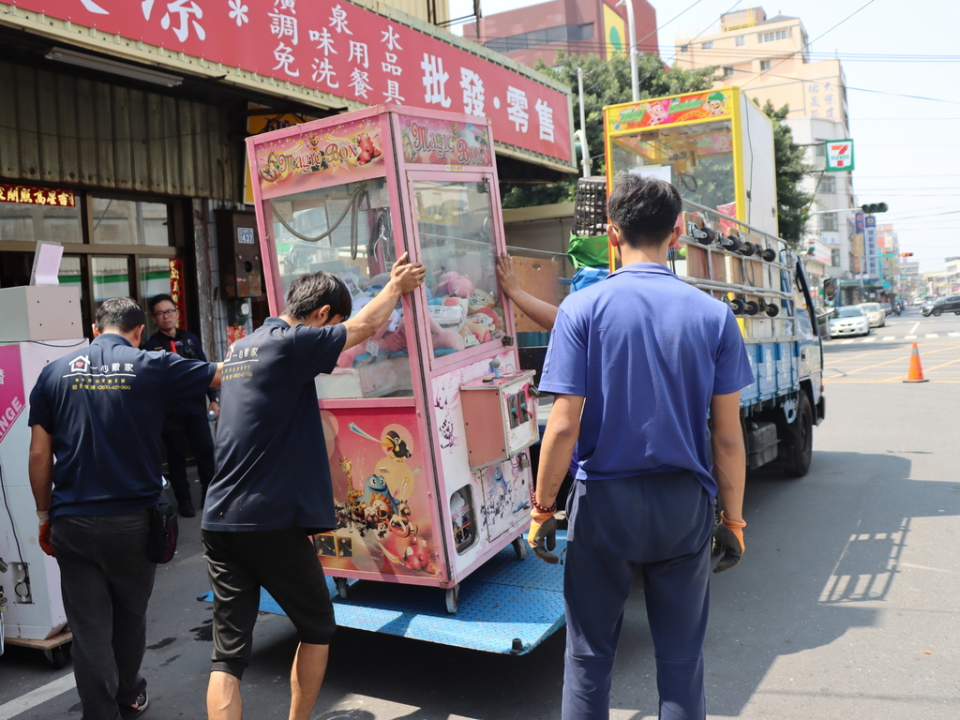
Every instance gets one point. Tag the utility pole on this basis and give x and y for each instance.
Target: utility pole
(632, 34)
(584, 150)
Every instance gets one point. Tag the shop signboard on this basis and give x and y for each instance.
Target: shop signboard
(839, 155)
(341, 49)
(870, 247)
(29, 195)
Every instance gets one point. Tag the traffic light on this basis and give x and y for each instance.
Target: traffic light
(906, 254)
(873, 208)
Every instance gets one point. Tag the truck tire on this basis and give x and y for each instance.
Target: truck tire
(799, 440)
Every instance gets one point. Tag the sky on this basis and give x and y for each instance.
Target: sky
(902, 65)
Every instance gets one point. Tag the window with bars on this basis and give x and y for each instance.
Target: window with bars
(828, 185)
(708, 45)
(764, 64)
(728, 72)
(741, 40)
(828, 222)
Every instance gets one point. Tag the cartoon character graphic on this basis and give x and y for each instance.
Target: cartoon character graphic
(395, 445)
(316, 153)
(418, 556)
(271, 169)
(715, 104)
(657, 112)
(366, 150)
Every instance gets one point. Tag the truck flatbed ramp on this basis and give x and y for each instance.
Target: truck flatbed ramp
(508, 606)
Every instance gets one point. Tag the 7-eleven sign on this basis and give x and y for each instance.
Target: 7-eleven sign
(839, 155)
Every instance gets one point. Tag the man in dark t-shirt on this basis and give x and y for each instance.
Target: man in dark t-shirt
(98, 412)
(187, 420)
(272, 485)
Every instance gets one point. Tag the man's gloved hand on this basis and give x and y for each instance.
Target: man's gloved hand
(728, 542)
(543, 536)
(45, 543)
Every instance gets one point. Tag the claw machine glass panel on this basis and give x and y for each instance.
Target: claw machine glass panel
(349, 195)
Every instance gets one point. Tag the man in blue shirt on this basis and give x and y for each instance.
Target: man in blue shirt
(272, 488)
(98, 411)
(636, 362)
(188, 420)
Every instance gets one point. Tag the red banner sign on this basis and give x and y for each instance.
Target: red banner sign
(339, 48)
(27, 195)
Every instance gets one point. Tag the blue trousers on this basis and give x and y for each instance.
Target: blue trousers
(660, 525)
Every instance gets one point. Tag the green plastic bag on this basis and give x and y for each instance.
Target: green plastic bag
(589, 251)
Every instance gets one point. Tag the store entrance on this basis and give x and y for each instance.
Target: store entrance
(113, 246)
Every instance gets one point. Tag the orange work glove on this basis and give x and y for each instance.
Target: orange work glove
(728, 542)
(543, 535)
(45, 544)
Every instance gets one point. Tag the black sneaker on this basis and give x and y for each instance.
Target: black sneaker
(137, 709)
(186, 510)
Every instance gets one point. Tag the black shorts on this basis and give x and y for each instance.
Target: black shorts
(285, 564)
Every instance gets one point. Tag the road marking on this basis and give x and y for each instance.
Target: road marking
(847, 342)
(932, 335)
(891, 338)
(915, 326)
(37, 697)
(954, 334)
(909, 337)
(873, 339)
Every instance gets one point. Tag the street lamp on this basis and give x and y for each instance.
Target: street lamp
(632, 35)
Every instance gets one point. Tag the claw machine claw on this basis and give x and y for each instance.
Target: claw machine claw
(349, 195)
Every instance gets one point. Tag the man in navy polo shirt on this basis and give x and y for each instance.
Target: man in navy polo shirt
(99, 411)
(272, 488)
(188, 420)
(636, 361)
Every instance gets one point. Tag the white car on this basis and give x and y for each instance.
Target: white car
(848, 320)
(875, 314)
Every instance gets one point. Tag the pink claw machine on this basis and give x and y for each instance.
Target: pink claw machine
(427, 425)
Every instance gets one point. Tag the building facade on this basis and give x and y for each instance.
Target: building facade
(584, 27)
(122, 129)
(769, 60)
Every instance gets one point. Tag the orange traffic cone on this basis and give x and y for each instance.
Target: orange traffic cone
(915, 374)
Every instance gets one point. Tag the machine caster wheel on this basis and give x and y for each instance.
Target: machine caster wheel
(341, 584)
(730, 242)
(748, 249)
(737, 305)
(751, 308)
(768, 254)
(520, 547)
(58, 656)
(705, 235)
(453, 596)
(772, 310)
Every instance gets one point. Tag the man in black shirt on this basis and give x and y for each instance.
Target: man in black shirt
(98, 412)
(272, 488)
(188, 420)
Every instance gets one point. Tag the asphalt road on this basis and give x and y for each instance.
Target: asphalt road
(845, 607)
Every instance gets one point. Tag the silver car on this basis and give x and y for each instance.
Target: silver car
(847, 321)
(875, 314)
